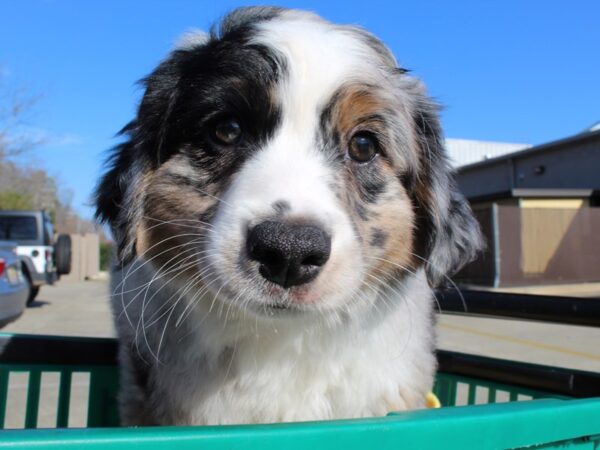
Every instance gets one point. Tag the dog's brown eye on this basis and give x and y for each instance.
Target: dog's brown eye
(363, 147)
(227, 131)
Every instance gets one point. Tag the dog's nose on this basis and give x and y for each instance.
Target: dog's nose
(289, 254)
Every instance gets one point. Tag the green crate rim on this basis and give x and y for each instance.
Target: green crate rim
(507, 425)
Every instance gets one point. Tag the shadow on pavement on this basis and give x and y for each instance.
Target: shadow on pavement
(38, 304)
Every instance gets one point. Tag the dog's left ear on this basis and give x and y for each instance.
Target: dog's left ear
(448, 236)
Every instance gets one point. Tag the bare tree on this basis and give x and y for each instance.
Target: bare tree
(28, 186)
(15, 105)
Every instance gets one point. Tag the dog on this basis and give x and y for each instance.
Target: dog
(282, 205)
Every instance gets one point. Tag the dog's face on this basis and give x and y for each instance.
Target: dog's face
(286, 164)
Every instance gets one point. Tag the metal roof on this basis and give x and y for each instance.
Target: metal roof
(593, 134)
(463, 152)
(595, 127)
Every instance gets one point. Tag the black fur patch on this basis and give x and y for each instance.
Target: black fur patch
(362, 212)
(281, 207)
(209, 213)
(185, 96)
(371, 184)
(431, 161)
(141, 371)
(408, 180)
(329, 134)
(111, 189)
(378, 238)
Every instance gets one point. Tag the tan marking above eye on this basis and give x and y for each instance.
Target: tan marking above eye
(354, 104)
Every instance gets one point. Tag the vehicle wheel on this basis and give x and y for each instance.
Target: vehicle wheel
(62, 254)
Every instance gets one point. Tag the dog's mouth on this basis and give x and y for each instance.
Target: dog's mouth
(279, 306)
(270, 292)
(264, 298)
(273, 308)
(282, 309)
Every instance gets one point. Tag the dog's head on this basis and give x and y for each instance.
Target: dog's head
(285, 162)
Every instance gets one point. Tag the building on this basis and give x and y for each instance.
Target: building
(464, 152)
(539, 209)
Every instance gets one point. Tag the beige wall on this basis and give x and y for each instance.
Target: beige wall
(554, 242)
(542, 241)
(85, 257)
(544, 224)
(542, 231)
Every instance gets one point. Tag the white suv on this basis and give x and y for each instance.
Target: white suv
(43, 259)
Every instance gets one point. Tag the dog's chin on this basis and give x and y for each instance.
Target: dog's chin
(271, 301)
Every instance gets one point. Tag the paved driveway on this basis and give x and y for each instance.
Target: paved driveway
(535, 342)
(68, 308)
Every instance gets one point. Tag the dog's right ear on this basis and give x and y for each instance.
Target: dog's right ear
(110, 190)
(119, 195)
(116, 204)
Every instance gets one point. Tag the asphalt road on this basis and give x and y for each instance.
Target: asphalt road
(68, 308)
(520, 340)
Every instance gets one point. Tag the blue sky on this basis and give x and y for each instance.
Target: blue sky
(512, 71)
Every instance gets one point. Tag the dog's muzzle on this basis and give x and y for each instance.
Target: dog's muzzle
(288, 254)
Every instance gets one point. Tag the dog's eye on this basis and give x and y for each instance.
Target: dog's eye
(363, 147)
(227, 131)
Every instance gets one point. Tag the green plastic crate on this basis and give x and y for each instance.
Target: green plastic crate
(498, 420)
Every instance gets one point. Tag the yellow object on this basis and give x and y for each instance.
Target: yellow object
(431, 401)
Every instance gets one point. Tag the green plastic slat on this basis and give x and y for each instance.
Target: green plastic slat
(451, 394)
(3, 394)
(102, 406)
(471, 395)
(441, 390)
(33, 399)
(95, 401)
(64, 398)
(448, 384)
(491, 395)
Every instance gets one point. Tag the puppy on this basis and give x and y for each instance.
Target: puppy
(282, 205)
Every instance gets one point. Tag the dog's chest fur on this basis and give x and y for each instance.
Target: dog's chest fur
(248, 372)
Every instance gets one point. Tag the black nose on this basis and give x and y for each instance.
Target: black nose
(288, 254)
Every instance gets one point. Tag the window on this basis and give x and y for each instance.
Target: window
(18, 228)
(48, 232)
